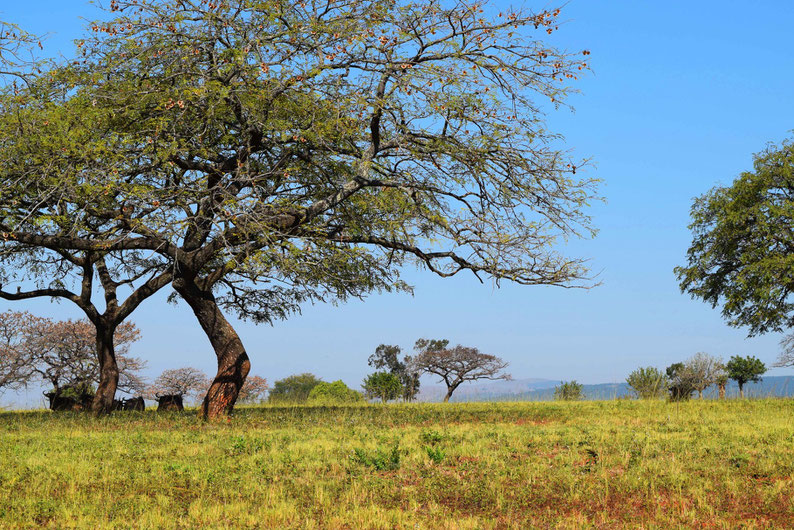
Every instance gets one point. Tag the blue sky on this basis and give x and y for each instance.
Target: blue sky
(681, 95)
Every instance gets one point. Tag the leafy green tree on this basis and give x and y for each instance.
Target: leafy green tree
(382, 385)
(681, 381)
(333, 393)
(388, 357)
(648, 383)
(271, 153)
(293, 389)
(568, 391)
(745, 370)
(740, 257)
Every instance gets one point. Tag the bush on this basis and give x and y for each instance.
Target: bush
(648, 383)
(570, 391)
(333, 393)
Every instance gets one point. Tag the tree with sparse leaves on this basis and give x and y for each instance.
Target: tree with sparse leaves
(270, 153)
(254, 390)
(62, 353)
(456, 365)
(186, 381)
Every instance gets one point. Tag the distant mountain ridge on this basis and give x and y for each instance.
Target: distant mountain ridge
(543, 390)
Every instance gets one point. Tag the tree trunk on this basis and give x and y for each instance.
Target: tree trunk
(722, 390)
(450, 390)
(108, 371)
(741, 390)
(700, 394)
(233, 363)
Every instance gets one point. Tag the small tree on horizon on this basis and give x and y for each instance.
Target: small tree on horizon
(186, 381)
(648, 383)
(456, 365)
(293, 389)
(387, 356)
(681, 382)
(254, 390)
(703, 370)
(744, 370)
(568, 391)
(385, 386)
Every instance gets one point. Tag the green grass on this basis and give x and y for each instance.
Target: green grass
(481, 465)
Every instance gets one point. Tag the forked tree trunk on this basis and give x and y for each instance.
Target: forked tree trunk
(108, 371)
(450, 390)
(233, 363)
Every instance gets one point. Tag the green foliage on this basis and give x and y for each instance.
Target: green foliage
(740, 255)
(568, 391)
(387, 356)
(431, 437)
(293, 389)
(333, 393)
(648, 383)
(436, 454)
(681, 382)
(379, 460)
(382, 385)
(744, 370)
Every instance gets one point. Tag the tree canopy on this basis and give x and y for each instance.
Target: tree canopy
(742, 253)
(263, 154)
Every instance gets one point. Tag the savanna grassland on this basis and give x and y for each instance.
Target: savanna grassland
(496, 465)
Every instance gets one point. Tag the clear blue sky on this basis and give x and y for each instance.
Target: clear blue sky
(681, 95)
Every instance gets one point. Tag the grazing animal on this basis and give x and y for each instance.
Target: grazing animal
(61, 403)
(134, 404)
(169, 402)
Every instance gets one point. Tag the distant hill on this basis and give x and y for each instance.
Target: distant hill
(543, 390)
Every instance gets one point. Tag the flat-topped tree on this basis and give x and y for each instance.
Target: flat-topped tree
(456, 365)
(281, 152)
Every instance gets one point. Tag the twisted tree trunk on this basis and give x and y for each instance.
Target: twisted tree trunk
(108, 370)
(233, 363)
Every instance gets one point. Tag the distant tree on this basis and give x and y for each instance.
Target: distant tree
(186, 381)
(456, 365)
(786, 355)
(254, 390)
(294, 389)
(744, 370)
(388, 357)
(568, 391)
(681, 382)
(333, 393)
(62, 353)
(382, 385)
(703, 370)
(740, 256)
(648, 383)
(722, 382)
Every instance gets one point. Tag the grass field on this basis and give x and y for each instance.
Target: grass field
(485, 465)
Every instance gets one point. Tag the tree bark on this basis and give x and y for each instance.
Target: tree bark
(722, 390)
(108, 371)
(450, 390)
(233, 363)
(741, 390)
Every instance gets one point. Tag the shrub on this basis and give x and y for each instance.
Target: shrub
(568, 391)
(648, 383)
(332, 393)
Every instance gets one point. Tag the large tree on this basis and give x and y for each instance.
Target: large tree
(274, 152)
(741, 253)
(456, 365)
(744, 370)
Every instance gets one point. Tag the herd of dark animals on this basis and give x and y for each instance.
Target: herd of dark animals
(82, 401)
